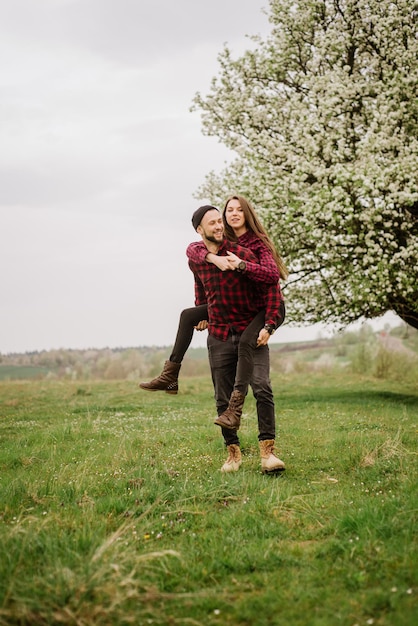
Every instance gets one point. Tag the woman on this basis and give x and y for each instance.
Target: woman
(242, 225)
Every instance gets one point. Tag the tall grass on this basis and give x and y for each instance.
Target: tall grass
(113, 509)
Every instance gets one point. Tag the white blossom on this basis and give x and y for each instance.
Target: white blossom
(323, 116)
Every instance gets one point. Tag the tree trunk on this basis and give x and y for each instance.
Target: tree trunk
(406, 312)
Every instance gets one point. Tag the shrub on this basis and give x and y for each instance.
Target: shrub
(391, 365)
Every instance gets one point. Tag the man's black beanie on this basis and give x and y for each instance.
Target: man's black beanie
(200, 212)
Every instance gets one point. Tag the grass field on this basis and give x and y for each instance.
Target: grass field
(113, 510)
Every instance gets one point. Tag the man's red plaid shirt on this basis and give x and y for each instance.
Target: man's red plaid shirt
(234, 298)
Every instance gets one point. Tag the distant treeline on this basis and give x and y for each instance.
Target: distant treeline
(364, 351)
(102, 364)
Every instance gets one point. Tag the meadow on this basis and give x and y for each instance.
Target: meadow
(113, 510)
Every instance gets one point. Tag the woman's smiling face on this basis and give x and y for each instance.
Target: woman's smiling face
(234, 216)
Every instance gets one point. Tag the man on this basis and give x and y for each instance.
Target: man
(233, 300)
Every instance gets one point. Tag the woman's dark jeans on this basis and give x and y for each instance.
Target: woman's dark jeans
(247, 348)
(189, 318)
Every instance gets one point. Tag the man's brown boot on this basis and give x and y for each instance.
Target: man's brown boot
(167, 381)
(231, 417)
(269, 461)
(234, 460)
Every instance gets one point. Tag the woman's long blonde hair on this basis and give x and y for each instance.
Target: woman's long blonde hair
(253, 223)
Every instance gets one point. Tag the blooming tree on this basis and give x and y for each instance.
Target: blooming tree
(323, 117)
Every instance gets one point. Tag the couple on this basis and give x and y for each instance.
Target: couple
(238, 299)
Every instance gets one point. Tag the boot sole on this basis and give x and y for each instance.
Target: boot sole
(278, 470)
(166, 390)
(219, 423)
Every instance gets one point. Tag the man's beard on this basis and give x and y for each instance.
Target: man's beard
(212, 238)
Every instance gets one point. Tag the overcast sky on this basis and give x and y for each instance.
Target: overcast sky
(99, 163)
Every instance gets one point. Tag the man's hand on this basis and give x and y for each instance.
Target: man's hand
(263, 337)
(202, 325)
